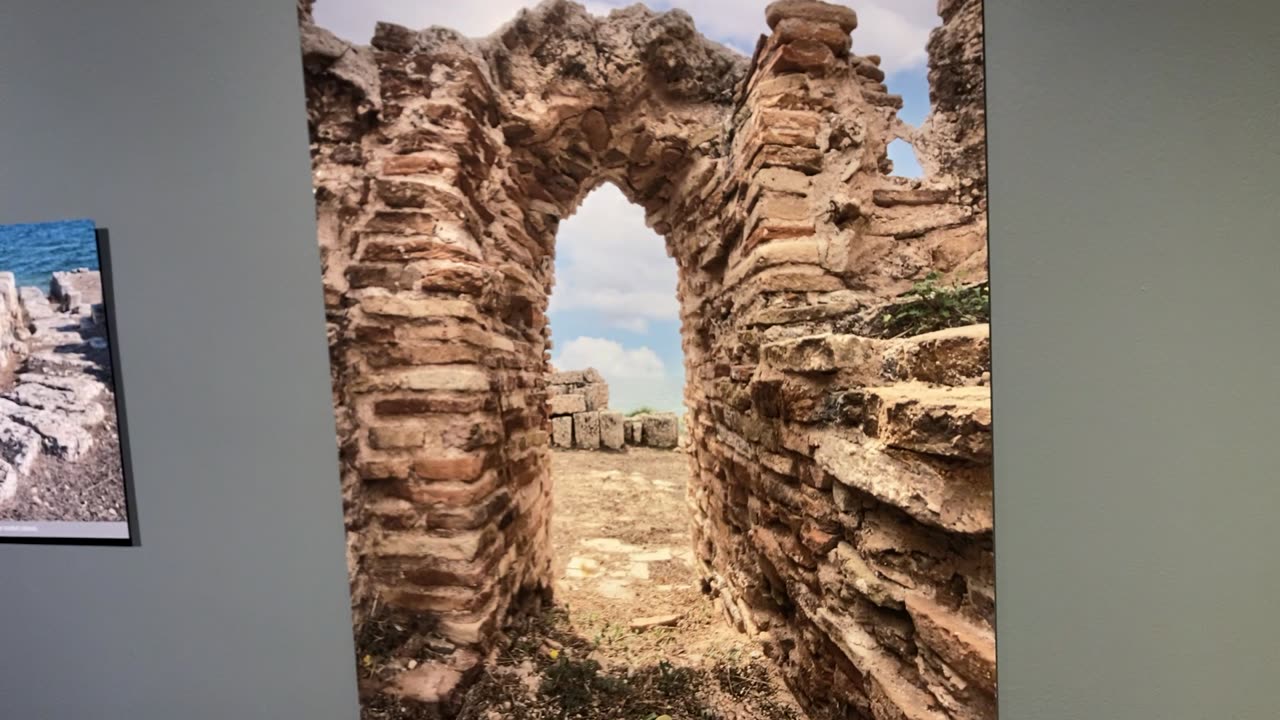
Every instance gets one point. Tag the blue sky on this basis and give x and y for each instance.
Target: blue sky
(613, 306)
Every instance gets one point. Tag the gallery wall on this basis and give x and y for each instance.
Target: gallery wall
(181, 126)
(1133, 153)
(1133, 238)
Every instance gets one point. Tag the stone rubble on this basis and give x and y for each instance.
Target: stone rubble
(56, 343)
(841, 482)
(578, 403)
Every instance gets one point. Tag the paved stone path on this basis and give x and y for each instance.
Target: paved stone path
(57, 398)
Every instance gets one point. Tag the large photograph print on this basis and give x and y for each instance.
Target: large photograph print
(62, 476)
(660, 353)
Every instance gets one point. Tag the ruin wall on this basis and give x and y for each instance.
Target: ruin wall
(841, 476)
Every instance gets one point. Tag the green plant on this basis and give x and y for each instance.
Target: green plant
(642, 410)
(662, 635)
(613, 634)
(930, 305)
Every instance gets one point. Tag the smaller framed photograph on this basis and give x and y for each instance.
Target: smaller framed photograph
(64, 469)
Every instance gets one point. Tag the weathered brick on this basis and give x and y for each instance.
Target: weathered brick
(419, 163)
(388, 248)
(787, 127)
(840, 15)
(396, 222)
(791, 29)
(406, 305)
(450, 377)
(389, 437)
(451, 404)
(461, 468)
(391, 277)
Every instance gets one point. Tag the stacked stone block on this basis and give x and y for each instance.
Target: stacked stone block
(578, 403)
(656, 430)
(841, 481)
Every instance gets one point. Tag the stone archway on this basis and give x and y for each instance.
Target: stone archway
(841, 480)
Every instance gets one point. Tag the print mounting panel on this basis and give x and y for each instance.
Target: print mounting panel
(64, 469)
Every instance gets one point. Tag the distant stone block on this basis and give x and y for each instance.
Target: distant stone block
(69, 301)
(562, 431)
(566, 404)
(597, 396)
(634, 431)
(661, 430)
(35, 303)
(586, 430)
(567, 377)
(612, 433)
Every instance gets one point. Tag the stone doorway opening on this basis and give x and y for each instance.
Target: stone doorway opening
(619, 522)
(631, 613)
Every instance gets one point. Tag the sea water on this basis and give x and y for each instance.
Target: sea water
(34, 251)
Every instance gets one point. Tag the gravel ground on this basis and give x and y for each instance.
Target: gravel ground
(622, 540)
(89, 489)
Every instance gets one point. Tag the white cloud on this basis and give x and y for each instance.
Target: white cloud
(355, 19)
(609, 262)
(637, 377)
(894, 29)
(610, 358)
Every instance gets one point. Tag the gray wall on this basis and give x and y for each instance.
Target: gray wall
(181, 126)
(1135, 201)
(1134, 210)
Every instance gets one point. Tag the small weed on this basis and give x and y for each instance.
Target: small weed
(662, 636)
(611, 634)
(931, 306)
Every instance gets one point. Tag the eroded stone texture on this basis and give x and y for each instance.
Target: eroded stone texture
(56, 346)
(841, 491)
(611, 432)
(586, 430)
(562, 431)
(659, 430)
(578, 403)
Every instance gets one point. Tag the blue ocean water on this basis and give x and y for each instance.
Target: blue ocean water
(34, 251)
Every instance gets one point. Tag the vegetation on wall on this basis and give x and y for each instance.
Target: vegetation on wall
(931, 305)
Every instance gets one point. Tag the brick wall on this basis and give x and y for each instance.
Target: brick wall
(841, 478)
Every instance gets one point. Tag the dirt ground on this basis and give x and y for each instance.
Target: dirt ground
(90, 489)
(631, 635)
